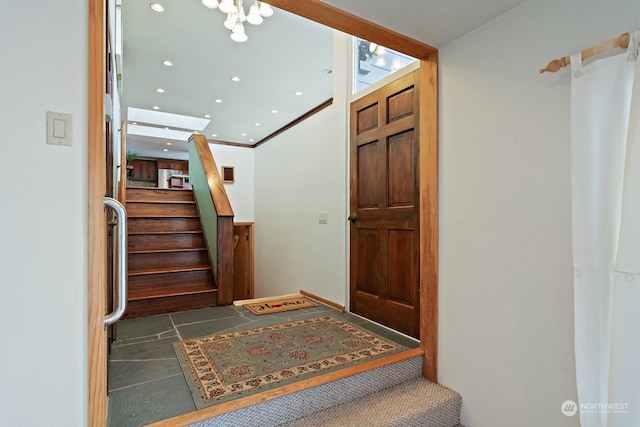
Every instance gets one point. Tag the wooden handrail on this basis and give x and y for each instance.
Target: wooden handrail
(216, 187)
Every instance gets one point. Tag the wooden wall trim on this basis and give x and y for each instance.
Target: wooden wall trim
(283, 129)
(224, 278)
(428, 133)
(333, 17)
(295, 122)
(97, 257)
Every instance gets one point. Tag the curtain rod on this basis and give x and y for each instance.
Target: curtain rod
(620, 42)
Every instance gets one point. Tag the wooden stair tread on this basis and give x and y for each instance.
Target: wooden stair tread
(168, 270)
(140, 233)
(161, 216)
(156, 188)
(170, 292)
(161, 201)
(165, 251)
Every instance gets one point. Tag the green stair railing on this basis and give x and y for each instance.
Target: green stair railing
(215, 213)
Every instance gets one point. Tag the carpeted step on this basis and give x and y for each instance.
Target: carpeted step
(305, 403)
(418, 402)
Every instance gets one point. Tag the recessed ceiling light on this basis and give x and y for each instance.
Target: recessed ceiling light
(251, 140)
(160, 90)
(165, 150)
(218, 101)
(157, 7)
(166, 127)
(243, 134)
(155, 107)
(297, 93)
(168, 143)
(214, 135)
(274, 111)
(235, 78)
(167, 63)
(207, 116)
(256, 124)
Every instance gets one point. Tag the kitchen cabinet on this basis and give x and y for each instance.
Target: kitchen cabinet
(144, 170)
(176, 165)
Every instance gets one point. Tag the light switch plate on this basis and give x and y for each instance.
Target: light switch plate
(322, 217)
(58, 128)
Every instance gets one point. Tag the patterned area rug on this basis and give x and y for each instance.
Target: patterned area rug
(223, 367)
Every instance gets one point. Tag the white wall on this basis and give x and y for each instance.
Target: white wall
(297, 175)
(506, 291)
(43, 215)
(241, 191)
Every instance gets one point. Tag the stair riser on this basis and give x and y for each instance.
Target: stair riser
(306, 402)
(162, 209)
(150, 242)
(149, 282)
(143, 194)
(153, 306)
(167, 260)
(155, 225)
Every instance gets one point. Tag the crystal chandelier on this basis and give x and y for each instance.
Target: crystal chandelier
(236, 15)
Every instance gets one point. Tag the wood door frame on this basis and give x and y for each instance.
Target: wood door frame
(428, 130)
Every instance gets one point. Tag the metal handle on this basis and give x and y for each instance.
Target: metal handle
(352, 218)
(121, 251)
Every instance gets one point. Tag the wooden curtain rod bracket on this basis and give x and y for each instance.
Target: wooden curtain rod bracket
(620, 42)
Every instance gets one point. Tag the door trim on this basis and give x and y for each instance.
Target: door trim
(96, 221)
(323, 14)
(428, 182)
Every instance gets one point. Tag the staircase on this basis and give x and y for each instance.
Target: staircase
(169, 266)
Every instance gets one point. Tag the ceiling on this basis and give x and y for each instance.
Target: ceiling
(284, 55)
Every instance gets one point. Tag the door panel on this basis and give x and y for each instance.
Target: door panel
(368, 254)
(400, 166)
(367, 179)
(384, 206)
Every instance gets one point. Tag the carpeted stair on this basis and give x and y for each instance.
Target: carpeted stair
(392, 395)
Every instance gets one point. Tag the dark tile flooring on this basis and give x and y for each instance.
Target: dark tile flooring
(146, 383)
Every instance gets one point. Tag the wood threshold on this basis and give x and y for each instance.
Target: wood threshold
(265, 396)
(241, 302)
(325, 301)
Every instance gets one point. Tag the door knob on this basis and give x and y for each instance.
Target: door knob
(352, 218)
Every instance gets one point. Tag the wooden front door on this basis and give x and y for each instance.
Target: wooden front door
(384, 206)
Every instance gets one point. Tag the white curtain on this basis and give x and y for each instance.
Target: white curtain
(605, 126)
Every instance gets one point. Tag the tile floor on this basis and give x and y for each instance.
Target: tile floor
(146, 383)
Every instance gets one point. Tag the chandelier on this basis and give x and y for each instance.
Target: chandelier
(236, 15)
